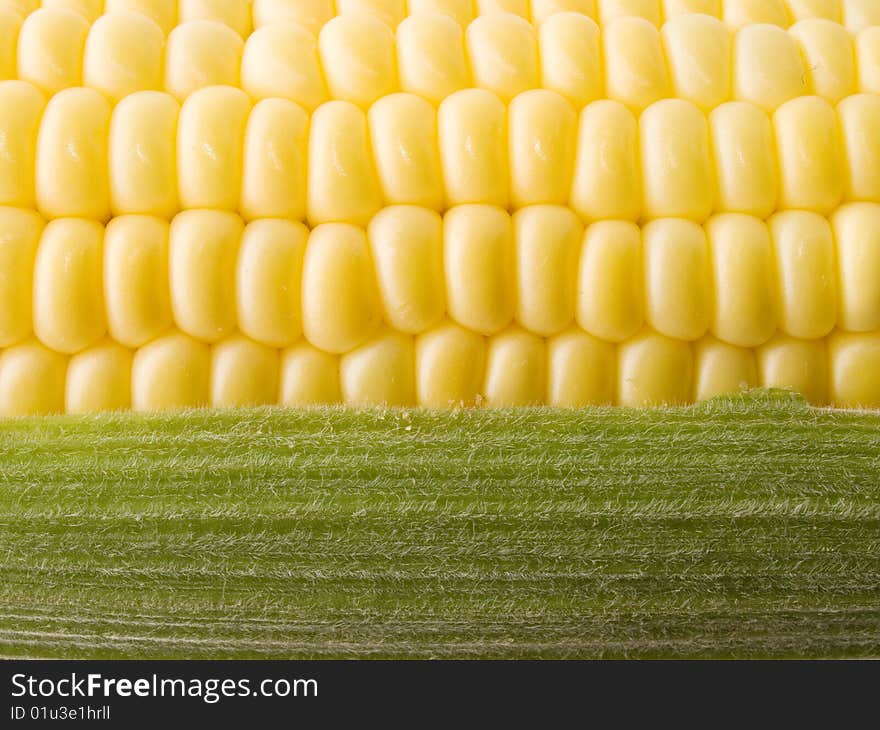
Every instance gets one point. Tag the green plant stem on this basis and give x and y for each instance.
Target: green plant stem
(745, 527)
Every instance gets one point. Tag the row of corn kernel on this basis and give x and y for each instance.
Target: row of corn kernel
(209, 275)
(77, 156)
(444, 367)
(242, 15)
(358, 58)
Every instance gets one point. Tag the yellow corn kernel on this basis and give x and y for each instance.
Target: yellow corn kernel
(580, 370)
(340, 306)
(544, 10)
(868, 59)
(273, 181)
(859, 117)
(31, 380)
(854, 365)
(281, 60)
(827, 50)
(170, 373)
(768, 69)
(201, 53)
(610, 281)
(202, 252)
(635, 67)
(143, 155)
(460, 11)
(68, 293)
(472, 129)
(547, 240)
(99, 379)
(741, 13)
(606, 181)
(136, 290)
(407, 251)
(308, 377)
(390, 12)
(860, 14)
(676, 167)
(678, 286)
(541, 134)
(268, 281)
(674, 8)
(18, 247)
(804, 254)
(123, 54)
(10, 25)
(50, 49)
(744, 282)
(342, 181)
(430, 56)
(722, 369)
(243, 373)
(210, 135)
(22, 8)
(698, 50)
(744, 152)
(810, 154)
(857, 238)
(21, 107)
(71, 160)
(358, 57)
(503, 54)
(478, 262)
(310, 14)
(88, 9)
(797, 365)
(403, 136)
(162, 12)
(450, 364)
(803, 9)
(648, 10)
(510, 7)
(235, 14)
(516, 369)
(571, 58)
(379, 372)
(653, 370)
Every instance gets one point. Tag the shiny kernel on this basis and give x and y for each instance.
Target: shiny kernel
(768, 69)
(50, 49)
(430, 56)
(450, 364)
(171, 373)
(516, 369)
(827, 49)
(854, 364)
(406, 244)
(201, 53)
(610, 292)
(68, 293)
(243, 373)
(580, 370)
(797, 365)
(678, 286)
(547, 240)
(340, 305)
(478, 260)
(136, 290)
(21, 107)
(698, 50)
(857, 242)
(31, 380)
(18, 246)
(380, 372)
(503, 54)
(308, 377)
(653, 370)
(571, 57)
(203, 248)
(99, 379)
(268, 281)
(722, 369)
(635, 67)
(805, 269)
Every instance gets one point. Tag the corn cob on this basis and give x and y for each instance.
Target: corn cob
(384, 300)
(243, 16)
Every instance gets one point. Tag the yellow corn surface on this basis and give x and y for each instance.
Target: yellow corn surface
(428, 215)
